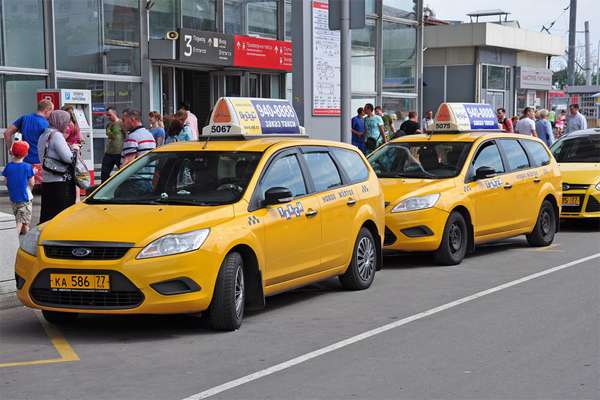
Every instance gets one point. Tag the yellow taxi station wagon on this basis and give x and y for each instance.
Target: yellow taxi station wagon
(466, 183)
(214, 225)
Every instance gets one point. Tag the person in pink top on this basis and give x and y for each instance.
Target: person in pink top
(192, 120)
(73, 132)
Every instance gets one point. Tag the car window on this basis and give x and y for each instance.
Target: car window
(488, 155)
(585, 149)
(285, 172)
(323, 171)
(538, 152)
(352, 164)
(515, 155)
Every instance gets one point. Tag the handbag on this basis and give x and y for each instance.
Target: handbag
(52, 165)
(82, 175)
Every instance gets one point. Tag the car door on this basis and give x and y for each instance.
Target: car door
(522, 176)
(337, 201)
(539, 158)
(292, 230)
(490, 198)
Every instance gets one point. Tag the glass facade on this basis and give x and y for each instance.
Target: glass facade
(163, 18)
(363, 57)
(22, 25)
(399, 57)
(252, 17)
(199, 14)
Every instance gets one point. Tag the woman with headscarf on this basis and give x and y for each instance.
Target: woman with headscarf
(58, 190)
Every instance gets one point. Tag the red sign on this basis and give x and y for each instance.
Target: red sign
(556, 93)
(262, 53)
(52, 95)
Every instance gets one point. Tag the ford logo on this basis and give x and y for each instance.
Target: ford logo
(81, 252)
(566, 186)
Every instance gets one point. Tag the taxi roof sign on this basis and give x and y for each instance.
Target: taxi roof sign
(461, 117)
(252, 116)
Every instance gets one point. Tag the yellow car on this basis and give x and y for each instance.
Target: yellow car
(578, 156)
(464, 185)
(213, 226)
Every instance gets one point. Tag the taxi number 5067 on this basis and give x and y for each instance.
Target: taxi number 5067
(220, 129)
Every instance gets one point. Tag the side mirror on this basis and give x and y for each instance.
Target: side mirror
(484, 173)
(277, 195)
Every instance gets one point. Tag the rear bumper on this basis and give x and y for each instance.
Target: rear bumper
(132, 282)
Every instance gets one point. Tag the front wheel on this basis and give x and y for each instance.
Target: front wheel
(226, 310)
(545, 227)
(59, 318)
(455, 241)
(361, 271)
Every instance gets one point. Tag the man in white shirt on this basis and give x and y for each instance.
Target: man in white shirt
(575, 120)
(427, 122)
(192, 120)
(526, 125)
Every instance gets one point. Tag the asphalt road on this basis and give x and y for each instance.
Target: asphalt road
(536, 338)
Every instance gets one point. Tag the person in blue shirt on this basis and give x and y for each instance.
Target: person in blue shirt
(358, 130)
(19, 180)
(157, 128)
(179, 130)
(543, 128)
(31, 126)
(374, 129)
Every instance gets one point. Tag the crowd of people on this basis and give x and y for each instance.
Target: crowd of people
(372, 127)
(45, 147)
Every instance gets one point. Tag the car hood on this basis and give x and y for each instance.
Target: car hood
(581, 173)
(138, 224)
(395, 189)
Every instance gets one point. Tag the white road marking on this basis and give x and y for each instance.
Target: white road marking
(373, 332)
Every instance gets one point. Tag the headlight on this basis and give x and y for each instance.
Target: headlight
(29, 244)
(598, 186)
(174, 244)
(417, 203)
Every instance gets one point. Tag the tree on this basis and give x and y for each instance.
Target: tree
(559, 78)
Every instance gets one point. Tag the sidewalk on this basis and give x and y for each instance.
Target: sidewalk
(8, 248)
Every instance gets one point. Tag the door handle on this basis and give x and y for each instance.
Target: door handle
(311, 213)
(507, 185)
(536, 180)
(350, 202)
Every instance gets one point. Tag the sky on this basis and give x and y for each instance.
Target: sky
(532, 15)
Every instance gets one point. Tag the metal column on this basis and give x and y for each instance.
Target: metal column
(345, 76)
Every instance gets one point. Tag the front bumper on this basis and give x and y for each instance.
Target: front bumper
(589, 204)
(420, 230)
(132, 282)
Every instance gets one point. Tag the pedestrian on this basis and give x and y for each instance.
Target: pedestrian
(31, 127)
(115, 135)
(526, 125)
(514, 119)
(157, 127)
(358, 130)
(191, 120)
(575, 120)
(179, 129)
(388, 123)
(73, 132)
(552, 117)
(544, 129)
(374, 129)
(427, 122)
(411, 126)
(139, 140)
(505, 123)
(561, 121)
(58, 186)
(19, 181)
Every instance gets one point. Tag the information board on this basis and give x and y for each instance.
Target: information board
(262, 53)
(465, 117)
(326, 62)
(210, 48)
(276, 116)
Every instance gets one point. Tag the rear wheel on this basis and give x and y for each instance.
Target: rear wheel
(226, 310)
(59, 318)
(545, 227)
(455, 241)
(361, 271)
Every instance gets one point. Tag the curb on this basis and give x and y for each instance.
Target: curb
(8, 301)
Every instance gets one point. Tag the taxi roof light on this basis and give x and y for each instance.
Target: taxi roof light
(465, 117)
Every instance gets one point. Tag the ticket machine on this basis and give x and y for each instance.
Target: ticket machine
(81, 100)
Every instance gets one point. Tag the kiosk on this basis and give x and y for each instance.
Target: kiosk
(81, 100)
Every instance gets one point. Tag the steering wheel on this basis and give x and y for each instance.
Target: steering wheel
(231, 186)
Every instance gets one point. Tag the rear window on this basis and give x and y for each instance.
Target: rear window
(538, 152)
(352, 164)
(323, 171)
(585, 149)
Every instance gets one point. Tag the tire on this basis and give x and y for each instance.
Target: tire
(545, 227)
(59, 318)
(361, 271)
(455, 241)
(226, 310)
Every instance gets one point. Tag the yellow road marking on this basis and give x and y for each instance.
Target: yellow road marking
(59, 342)
(552, 247)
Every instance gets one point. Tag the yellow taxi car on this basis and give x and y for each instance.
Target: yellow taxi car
(465, 184)
(213, 226)
(578, 157)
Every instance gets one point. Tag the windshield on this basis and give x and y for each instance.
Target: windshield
(433, 160)
(578, 149)
(184, 178)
